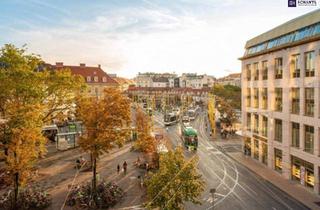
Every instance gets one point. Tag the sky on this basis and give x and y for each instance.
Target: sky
(131, 36)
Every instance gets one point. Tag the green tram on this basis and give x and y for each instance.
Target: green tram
(190, 138)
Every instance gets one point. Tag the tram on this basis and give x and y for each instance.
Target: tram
(189, 137)
(170, 118)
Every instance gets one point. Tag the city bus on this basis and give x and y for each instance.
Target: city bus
(189, 137)
(170, 118)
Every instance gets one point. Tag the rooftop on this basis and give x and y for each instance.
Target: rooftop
(85, 71)
(290, 26)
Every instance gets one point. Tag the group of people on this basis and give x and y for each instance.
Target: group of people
(226, 131)
(124, 167)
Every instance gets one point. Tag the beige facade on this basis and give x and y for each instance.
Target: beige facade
(281, 111)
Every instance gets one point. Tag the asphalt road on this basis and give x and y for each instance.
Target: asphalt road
(236, 186)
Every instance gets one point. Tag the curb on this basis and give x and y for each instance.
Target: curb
(252, 171)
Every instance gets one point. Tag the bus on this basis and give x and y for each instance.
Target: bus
(189, 137)
(192, 113)
(170, 118)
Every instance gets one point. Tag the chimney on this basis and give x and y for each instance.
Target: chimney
(82, 65)
(99, 66)
(59, 64)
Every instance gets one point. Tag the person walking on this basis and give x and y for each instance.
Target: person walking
(118, 168)
(125, 167)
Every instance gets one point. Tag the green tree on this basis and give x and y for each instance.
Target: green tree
(229, 93)
(176, 181)
(106, 122)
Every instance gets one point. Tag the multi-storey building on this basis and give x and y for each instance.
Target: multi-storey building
(94, 76)
(281, 99)
(150, 79)
(192, 80)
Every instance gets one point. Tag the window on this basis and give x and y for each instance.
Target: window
(295, 134)
(96, 79)
(278, 130)
(294, 66)
(88, 79)
(248, 97)
(264, 95)
(256, 149)
(256, 124)
(309, 59)
(264, 70)
(256, 71)
(264, 130)
(278, 160)
(256, 98)
(278, 99)
(249, 121)
(248, 69)
(278, 68)
(295, 100)
(308, 138)
(104, 79)
(309, 102)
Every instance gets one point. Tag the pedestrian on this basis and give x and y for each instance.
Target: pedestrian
(125, 167)
(118, 168)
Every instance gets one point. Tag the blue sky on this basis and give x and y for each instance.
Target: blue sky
(131, 36)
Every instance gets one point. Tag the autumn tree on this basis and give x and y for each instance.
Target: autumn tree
(26, 91)
(177, 181)
(229, 93)
(107, 124)
(145, 142)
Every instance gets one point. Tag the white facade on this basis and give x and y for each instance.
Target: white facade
(196, 81)
(160, 84)
(143, 81)
(280, 127)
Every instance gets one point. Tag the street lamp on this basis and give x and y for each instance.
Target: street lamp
(212, 191)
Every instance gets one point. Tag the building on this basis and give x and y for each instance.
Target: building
(150, 79)
(281, 99)
(192, 80)
(160, 82)
(232, 79)
(124, 83)
(94, 76)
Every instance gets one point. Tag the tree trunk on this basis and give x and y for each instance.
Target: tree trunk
(16, 190)
(94, 179)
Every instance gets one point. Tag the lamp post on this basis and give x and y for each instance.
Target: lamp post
(212, 191)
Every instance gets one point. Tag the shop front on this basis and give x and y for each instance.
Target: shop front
(302, 171)
(264, 153)
(278, 160)
(256, 149)
(247, 146)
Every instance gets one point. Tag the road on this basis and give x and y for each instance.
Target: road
(236, 186)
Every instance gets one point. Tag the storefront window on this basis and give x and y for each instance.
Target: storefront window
(265, 153)
(256, 149)
(278, 160)
(247, 146)
(302, 171)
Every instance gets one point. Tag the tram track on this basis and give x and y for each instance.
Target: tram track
(236, 186)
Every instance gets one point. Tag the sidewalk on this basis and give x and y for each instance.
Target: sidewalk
(57, 173)
(293, 189)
